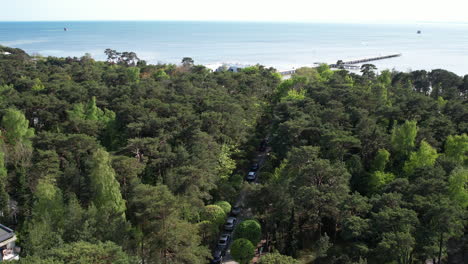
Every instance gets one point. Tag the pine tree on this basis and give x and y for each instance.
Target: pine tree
(105, 186)
(4, 197)
(403, 138)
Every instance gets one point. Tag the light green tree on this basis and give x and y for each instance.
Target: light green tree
(403, 138)
(425, 156)
(249, 229)
(105, 186)
(92, 112)
(38, 85)
(277, 258)
(458, 186)
(456, 148)
(295, 95)
(16, 128)
(17, 137)
(378, 179)
(226, 164)
(49, 202)
(133, 74)
(226, 206)
(214, 213)
(242, 250)
(380, 160)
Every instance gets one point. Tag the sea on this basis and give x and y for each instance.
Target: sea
(281, 45)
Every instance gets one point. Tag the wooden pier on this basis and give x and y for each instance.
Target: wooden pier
(372, 59)
(347, 65)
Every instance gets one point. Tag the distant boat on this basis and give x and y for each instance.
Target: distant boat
(65, 29)
(419, 31)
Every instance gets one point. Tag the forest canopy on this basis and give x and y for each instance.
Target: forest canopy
(141, 163)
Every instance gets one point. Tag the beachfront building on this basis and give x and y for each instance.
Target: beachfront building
(231, 67)
(8, 249)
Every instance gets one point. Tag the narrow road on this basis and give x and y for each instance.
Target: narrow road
(246, 213)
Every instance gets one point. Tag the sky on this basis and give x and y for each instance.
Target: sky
(349, 11)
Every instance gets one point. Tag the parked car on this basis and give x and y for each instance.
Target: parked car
(223, 241)
(254, 167)
(230, 223)
(217, 257)
(251, 176)
(235, 210)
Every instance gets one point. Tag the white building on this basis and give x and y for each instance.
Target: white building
(7, 244)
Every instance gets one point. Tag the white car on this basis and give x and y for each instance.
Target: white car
(251, 176)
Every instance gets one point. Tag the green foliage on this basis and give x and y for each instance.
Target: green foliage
(38, 260)
(38, 85)
(291, 88)
(16, 128)
(403, 138)
(456, 148)
(156, 213)
(325, 72)
(425, 156)
(174, 136)
(215, 214)
(133, 74)
(161, 75)
(226, 206)
(92, 112)
(385, 78)
(242, 250)
(277, 258)
(49, 202)
(249, 229)
(84, 252)
(441, 102)
(322, 245)
(41, 237)
(378, 180)
(295, 95)
(226, 163)
(458, 186)
(106, 189)
(4, 197)
(380, 160)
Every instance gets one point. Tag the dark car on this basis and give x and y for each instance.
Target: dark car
(251, 176)
(217, 257)
(223, 241)
(230, 223)
(254, 167)
(235, 210)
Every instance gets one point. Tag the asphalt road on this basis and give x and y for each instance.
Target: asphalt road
(246, 212)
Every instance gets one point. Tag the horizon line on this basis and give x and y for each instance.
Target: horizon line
(245, 21)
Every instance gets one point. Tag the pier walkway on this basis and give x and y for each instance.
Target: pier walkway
(347, 65)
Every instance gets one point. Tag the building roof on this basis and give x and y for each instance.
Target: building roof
(5, 233)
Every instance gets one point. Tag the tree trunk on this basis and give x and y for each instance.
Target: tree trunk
(440, 246)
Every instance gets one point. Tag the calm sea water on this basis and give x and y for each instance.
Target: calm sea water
(282, 45)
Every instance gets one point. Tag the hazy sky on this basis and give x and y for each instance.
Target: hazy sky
(244, 10)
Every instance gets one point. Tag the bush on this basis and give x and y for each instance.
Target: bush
(214, 214)
(242, 250)
(277, 258)
(249, 229)
(225, 206)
